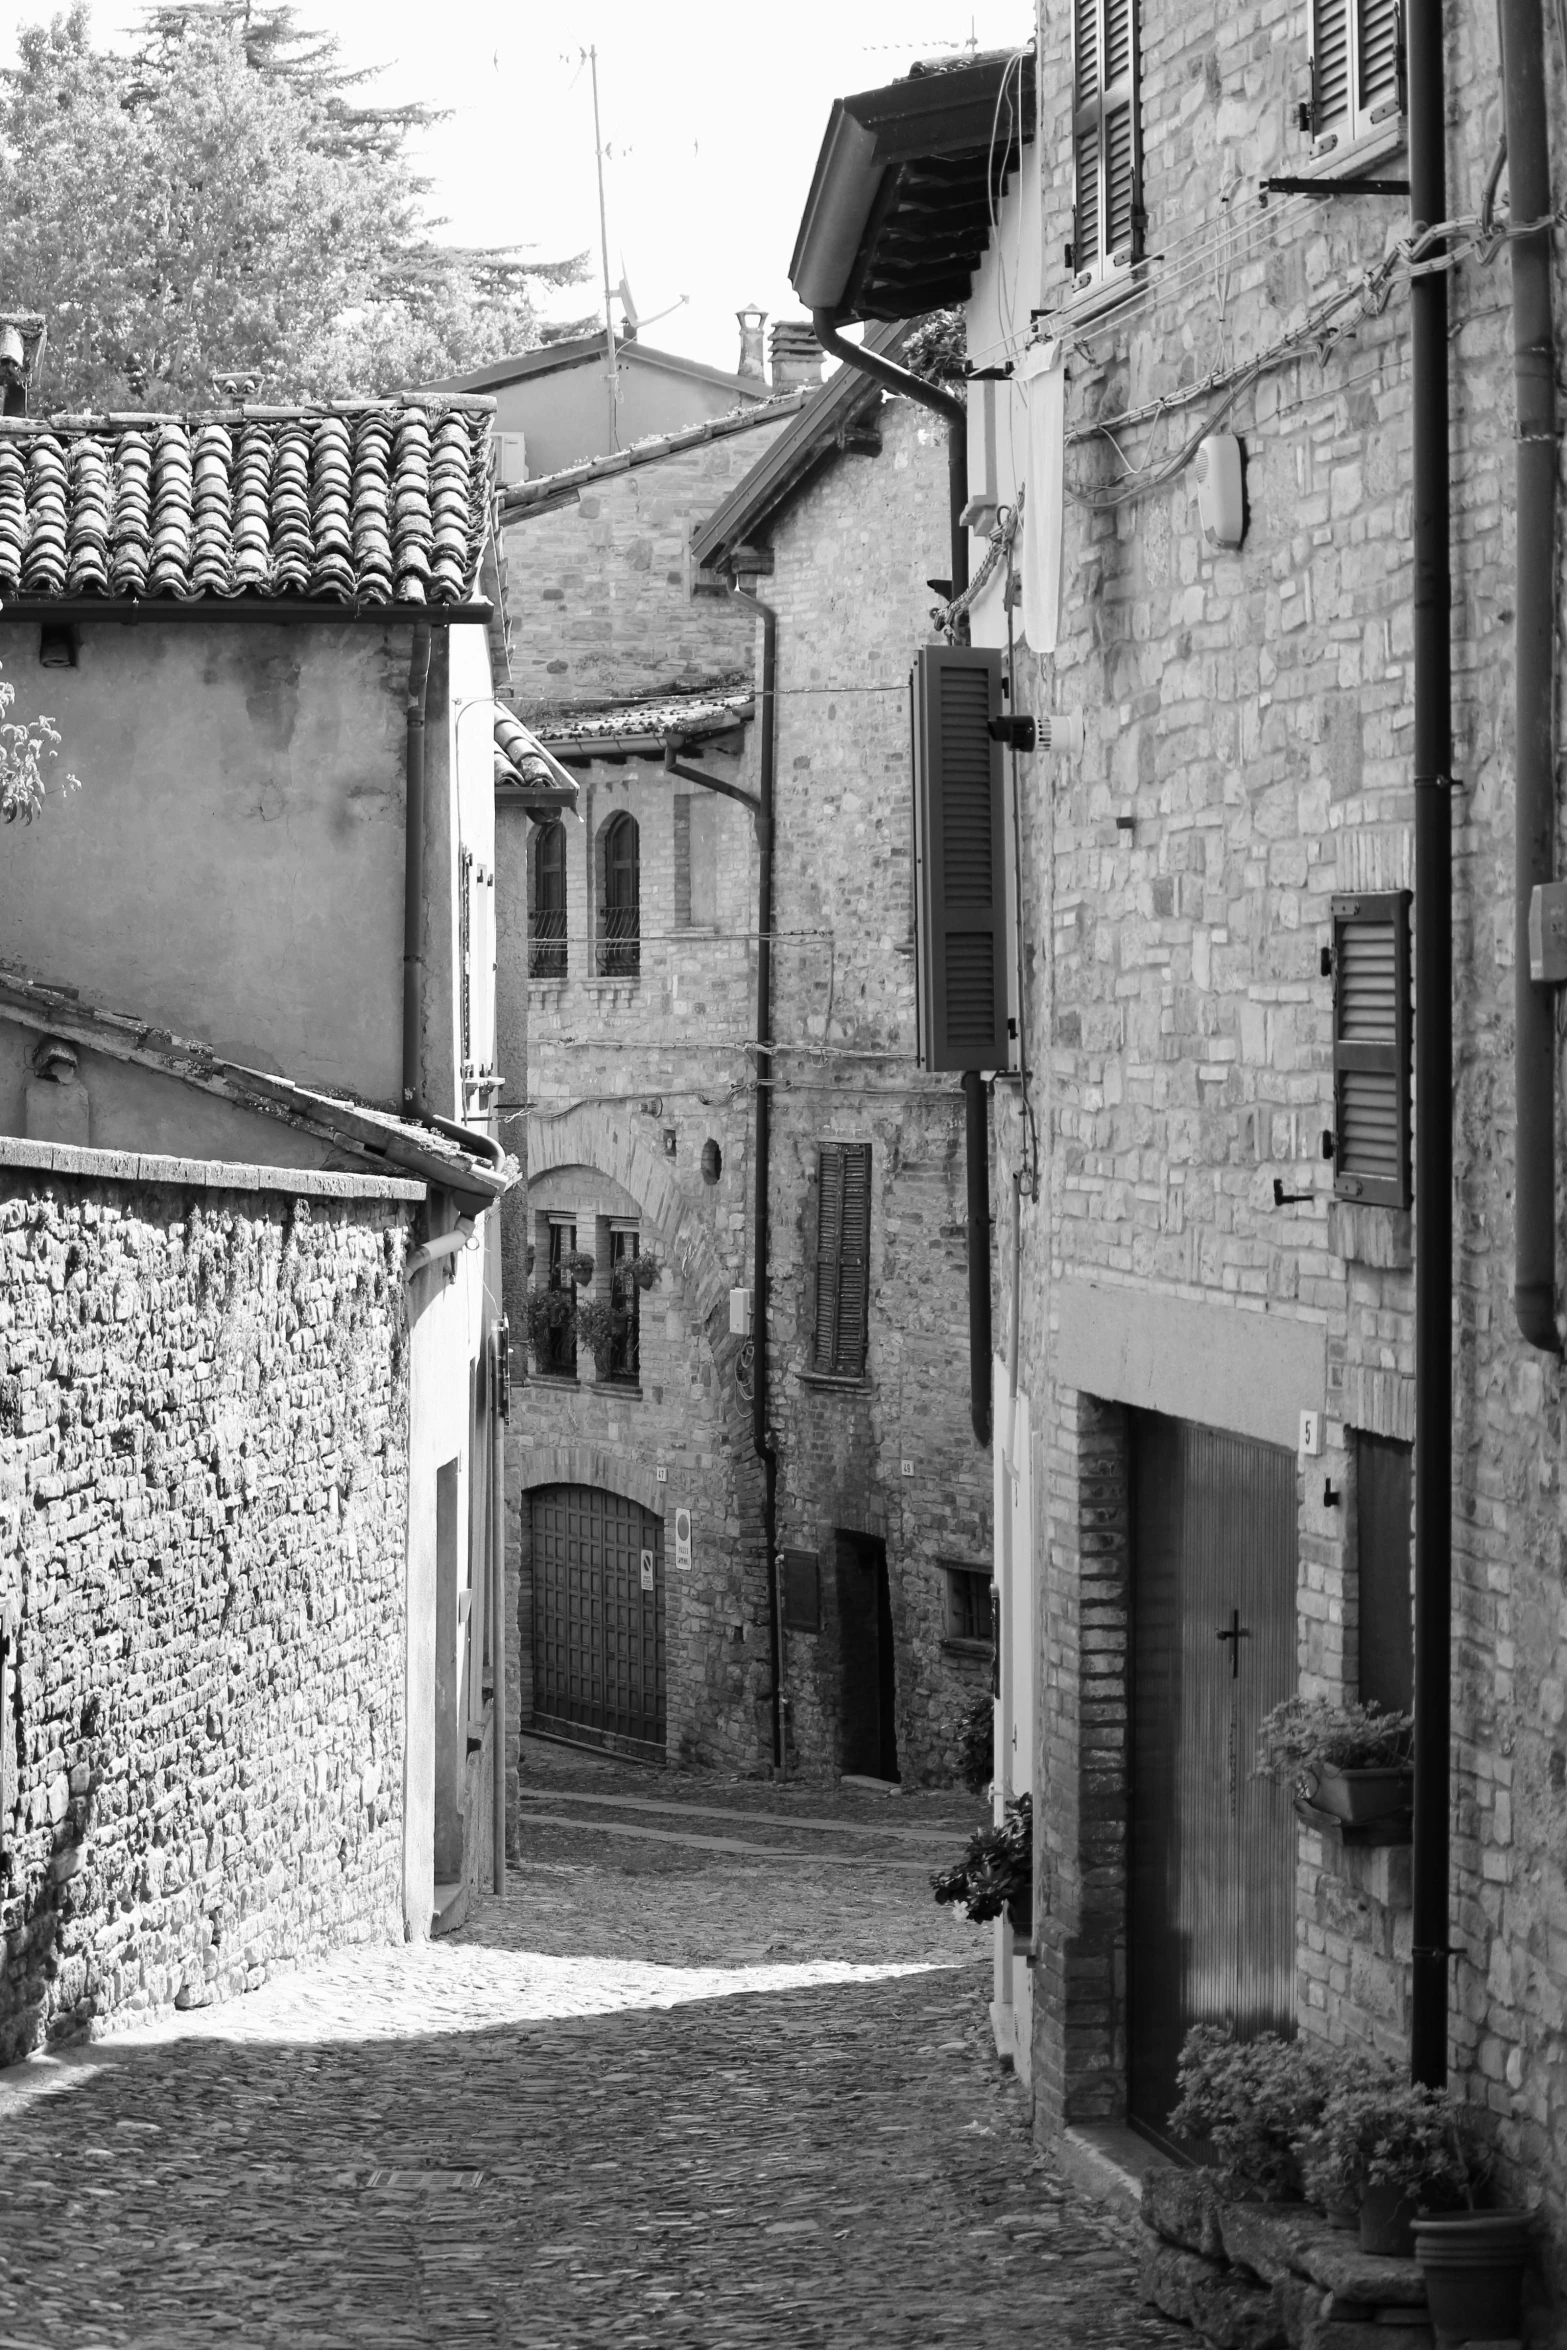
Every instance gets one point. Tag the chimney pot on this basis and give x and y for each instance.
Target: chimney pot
(752, 365)
(21, 345)
(797, 355)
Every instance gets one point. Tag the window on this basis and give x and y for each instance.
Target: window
(625, 1352)
(969, 1606)
(843, 1237)
(556, 1341)
(547, 914)
(620, 917)
(1107, 231)
(1383, 1511)
(1371, 1047)
(802, 1591)
(1357, 69)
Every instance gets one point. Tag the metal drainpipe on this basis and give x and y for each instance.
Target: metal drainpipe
(1433, 1467)
(761, 1429)
(1529, 186)
(498, 1608)
(894, 378)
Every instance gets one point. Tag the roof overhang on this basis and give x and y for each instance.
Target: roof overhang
(901, 203)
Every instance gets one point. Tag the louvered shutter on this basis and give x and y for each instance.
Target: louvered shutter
(843, 1229)
(1356, 67)
(1107, 198)
(961, 936)
(1371, 1038)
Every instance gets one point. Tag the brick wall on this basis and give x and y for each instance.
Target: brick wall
(599, 589)
(1251, 713)
(203, 1485)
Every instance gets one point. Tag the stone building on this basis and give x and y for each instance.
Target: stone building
(639, 671)
(251, 963)
(1198, 384)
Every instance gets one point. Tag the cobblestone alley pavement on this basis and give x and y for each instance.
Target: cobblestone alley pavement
(724, 2092)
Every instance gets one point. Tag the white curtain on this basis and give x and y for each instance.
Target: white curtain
(1042, 374)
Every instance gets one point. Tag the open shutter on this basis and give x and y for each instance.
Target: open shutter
(1371, 1038)
(1379, 62)
(843, 1229)
(1357, 67)
(961, 939)
(1330, 67)
(1107, 194)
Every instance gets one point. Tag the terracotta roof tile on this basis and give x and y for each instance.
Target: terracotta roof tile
(377, 503)
(552, 489)
(521, 759)
(694, 715)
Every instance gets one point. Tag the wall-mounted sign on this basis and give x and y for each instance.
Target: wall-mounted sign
(683, 1541)
(647, 1570)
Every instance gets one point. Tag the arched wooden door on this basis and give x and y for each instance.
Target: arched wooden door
(598, 1620)
(620, 935)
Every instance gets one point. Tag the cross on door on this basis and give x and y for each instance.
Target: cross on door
(1235, 1635)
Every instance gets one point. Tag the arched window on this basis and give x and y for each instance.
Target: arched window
(620, 918)
(547, 914)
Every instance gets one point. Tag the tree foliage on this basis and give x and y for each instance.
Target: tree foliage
(221, 196)
(25, 746)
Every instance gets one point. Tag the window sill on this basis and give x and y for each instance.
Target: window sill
(605, 982)
(1098, 300)
(835, 1380)
(1353, 155)
(630, 1388)
(980, 1650)
(566, 1379)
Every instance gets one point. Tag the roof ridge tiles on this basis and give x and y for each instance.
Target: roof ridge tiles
(520, 495)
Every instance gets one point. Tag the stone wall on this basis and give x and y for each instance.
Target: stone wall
(851, 558)
(599, 588)
(203, 1486)
(1249, 716)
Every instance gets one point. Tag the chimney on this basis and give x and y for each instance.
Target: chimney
(797, 355)
(21, 346)
(752, 322)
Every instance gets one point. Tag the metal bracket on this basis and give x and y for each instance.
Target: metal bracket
(1292, 185)
(1288, 1199)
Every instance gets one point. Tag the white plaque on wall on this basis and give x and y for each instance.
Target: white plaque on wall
(683, 1541)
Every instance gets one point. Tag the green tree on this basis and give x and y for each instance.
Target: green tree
(220, 197)
(24, 747)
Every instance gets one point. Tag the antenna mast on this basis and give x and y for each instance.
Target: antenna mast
(609, 316)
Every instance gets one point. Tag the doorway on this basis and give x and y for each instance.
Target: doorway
(867, 1687)
(1211, 1911)
(598, 1620)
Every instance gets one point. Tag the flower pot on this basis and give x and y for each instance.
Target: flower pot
(1385, 2217)
(1020, 1917)
(1358, 1797)
(1473, 2264)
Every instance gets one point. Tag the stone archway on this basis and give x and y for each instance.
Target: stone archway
(589, 1464)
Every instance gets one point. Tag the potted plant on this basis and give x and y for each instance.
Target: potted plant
(996, 1872)
(1473, 2263)
(551, 1320)
(598, 1326)
(578, 1266)
(1253, 2102)
(1392, 2149)
(1349, 1760)
(646, 1272)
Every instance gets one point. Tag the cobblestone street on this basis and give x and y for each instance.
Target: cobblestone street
(720, 2092)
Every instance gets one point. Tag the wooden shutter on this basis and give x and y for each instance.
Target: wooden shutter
(843, 1234)
(1108, 211)
(1371, 1037)
(802, 1591)
(963, 947)
(1357, 67)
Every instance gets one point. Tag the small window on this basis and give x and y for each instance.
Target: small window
(843, 1236)
(1357, 69)
(968, 1606)
(1385, 1551)
(802, 1591)
(625, 1353)
(620, 917)
(1371, 1049)
(1107, 230)
(555, 1339)
(547, 913)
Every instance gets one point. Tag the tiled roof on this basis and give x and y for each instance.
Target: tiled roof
(687, 720)
(373, 1136)
(553, 489)
(375, 502)
(522, 763)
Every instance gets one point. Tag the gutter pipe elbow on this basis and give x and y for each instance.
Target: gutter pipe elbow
(947, 405)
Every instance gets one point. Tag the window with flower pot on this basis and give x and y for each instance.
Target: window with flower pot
(553, 1316)
(623, 1362)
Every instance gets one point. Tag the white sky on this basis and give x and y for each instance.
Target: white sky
(713, 111)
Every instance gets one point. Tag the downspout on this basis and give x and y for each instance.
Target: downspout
(761, 1426)
(1433, 1465)
(498, 1604)
(1002, 1770)
(894, 378)
(1529, 186)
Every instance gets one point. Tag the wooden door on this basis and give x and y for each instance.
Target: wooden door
(598, 1620)
(868, 1737)
(1211, 1916)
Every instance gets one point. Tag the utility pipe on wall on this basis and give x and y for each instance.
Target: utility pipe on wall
(498, 1604)
(894, 378)
(761, 1417)
(1433, 1466)
(976, 1152)
(413, 870)
(1534, 356)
